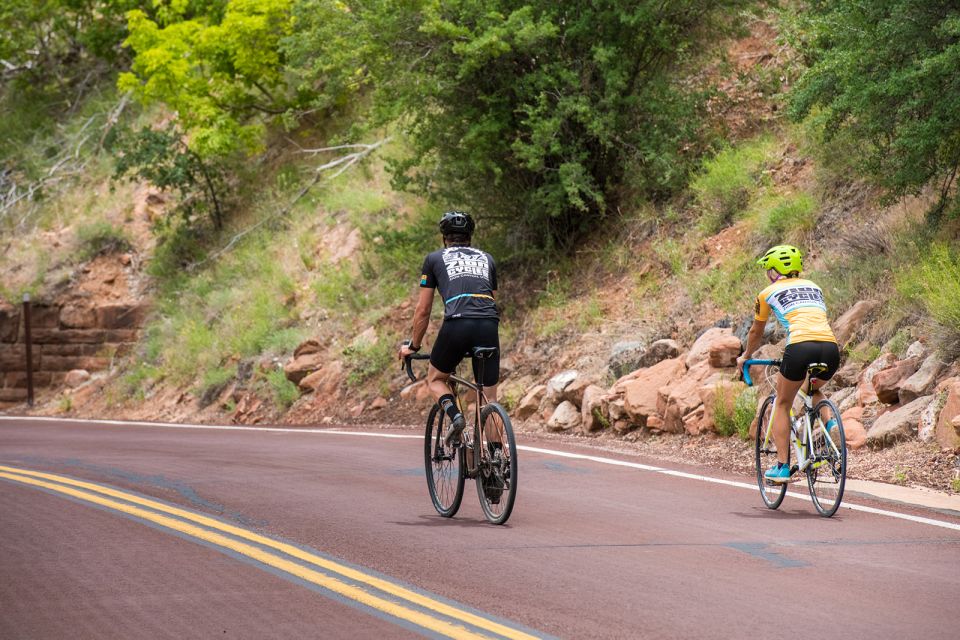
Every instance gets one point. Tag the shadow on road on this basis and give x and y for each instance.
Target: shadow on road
(439, 521)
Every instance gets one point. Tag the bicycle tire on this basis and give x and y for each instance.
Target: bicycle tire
(496, 476)
(444, 466)
(827, 474)
(765, 456)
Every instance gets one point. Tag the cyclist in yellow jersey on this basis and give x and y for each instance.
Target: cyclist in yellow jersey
(799, 306)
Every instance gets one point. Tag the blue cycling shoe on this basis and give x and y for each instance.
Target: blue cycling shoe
(831, 423)
(778, 473)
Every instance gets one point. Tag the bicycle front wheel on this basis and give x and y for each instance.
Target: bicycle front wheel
(765, 456)
(497, 471)
(827, 473)
(443, 466)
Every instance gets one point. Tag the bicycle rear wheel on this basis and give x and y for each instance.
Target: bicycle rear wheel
(444, 466)
(827, 473)
(765, 455)
(497, 472)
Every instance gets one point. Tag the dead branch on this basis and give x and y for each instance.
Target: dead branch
(343, 162)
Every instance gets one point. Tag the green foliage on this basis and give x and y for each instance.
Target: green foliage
(537, 111)
(368, 359)
(933, 285)
(284, 392)
(735, 419)
(728, 181)
(730, 284)
(101, 237)
(218, 65)
(162, 157)
(886, 72)
(789, 216)
(863, 352)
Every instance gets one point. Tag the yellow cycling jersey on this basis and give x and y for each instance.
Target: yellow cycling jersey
(799, 306)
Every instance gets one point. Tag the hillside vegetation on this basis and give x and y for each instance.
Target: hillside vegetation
(276, 168)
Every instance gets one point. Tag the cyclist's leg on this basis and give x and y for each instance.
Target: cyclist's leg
(438, 382)
(786, 392)
(486, 334)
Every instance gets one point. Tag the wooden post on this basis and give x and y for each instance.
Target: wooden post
(29, 342)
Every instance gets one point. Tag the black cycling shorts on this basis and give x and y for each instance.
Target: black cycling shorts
(797, 356)
(458, 336)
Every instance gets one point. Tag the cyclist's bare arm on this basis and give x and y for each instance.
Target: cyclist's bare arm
(421, 315)
(754, 336)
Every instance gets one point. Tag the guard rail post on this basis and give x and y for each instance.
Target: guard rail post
(29, 344)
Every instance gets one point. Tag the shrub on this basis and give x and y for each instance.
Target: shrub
(933, 284)
(367, 359)
(101, 237)
(790, 215)
(736, 419)
(727, 182)
(284, 392)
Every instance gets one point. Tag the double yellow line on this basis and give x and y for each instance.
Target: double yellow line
(432, 615)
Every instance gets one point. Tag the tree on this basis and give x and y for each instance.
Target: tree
(886, 73)
(537, 112)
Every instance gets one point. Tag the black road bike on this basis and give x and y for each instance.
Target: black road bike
(486, 450)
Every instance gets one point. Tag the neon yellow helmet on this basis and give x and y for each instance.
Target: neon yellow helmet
(785, 258)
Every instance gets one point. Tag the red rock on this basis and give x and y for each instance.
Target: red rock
(722, 393)
(866, 394)
(325, 381)
(724, 351)
(855, 433)
(923, 381)
(378, 403)
(948, 429)
(9, 322)
(121, 316)
(640, 393)
(76, 377)
(307, 347)
(594, 402)
(574, 391)
(299, 368)
(896, 425)
(565, 416)
(530, 403)
(357, 410)
(78, 316)
(887, 382)
(846, 326)
(700, 351)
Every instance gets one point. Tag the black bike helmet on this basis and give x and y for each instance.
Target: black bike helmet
(456, 222)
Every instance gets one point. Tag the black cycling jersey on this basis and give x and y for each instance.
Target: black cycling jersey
(466, 278)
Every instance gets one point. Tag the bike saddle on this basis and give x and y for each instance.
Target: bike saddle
(484, 353)
(815, 368)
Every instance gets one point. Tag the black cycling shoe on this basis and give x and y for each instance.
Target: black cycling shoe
(454, 430)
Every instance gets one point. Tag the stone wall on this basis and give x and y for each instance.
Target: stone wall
(65, 336)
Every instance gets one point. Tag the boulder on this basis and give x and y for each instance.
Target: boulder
(724, 351)
(557, 384)
(845, 398)
(847, 325)
(855, 434)
(640, 393)
(307, 347)
(865, 391)
(617, 410)
(676, 401)
(916, 350)
(922, 382)
(378, 403)
(409, 392)
(660, 350)
(575, 390)
(948, 422)
(847, 375)
(700, 351)
(695, 422)
(927, 427)
(593, 409)
(530, 403)
(325, 381)
(300, 367)
(625, 357)
(898, 424)
(565, 416)
(121, 316)
(76, 377)
(887, 382)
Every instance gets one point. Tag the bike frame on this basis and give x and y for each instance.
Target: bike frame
(801, 429)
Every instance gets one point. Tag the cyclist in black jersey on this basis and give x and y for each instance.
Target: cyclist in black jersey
(467, 280)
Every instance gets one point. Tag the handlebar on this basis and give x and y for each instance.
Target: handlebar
(408, 364)
(745, 371)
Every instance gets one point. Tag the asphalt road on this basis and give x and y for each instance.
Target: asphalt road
(120, 531)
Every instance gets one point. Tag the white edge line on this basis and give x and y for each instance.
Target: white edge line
(549, 452)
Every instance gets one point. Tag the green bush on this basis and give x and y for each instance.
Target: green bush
(789, 216)
(933, 285)
(739, 419)
(727, 182)
(368, 359)
(101, 237)
(284, 392)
